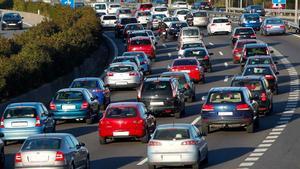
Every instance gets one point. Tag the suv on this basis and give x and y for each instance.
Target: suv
(190, 34)
(258, 86)
(121, 22)
(229, 106)
(200, 18)
(162, 95)
(242, 33)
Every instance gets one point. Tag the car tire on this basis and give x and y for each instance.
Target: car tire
(205, 128)
(250, 128)
(151, 166)
(146, 137)
(87, 163)
(89, 120)
(198, 163)
(102, 140)
(205, 161)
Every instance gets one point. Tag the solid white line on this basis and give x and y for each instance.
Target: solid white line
(210, 43)
(268, 141)
(143, 161)
(277, 129)
(264, 145)
(296, 35)
(196, 120)
(252, 159)
(256, 154)
(28, 24)
(271, 137)
(258, 150)
(246, 164)
(221, 53)
(287, 115)
(275, 133)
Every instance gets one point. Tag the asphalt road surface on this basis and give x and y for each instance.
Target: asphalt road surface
(9, 33)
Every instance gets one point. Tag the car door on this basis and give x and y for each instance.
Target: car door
(93, 102)
(49, 120)
(82, 154)
(74, 152)
(201, 143)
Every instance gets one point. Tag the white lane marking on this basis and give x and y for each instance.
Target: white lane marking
(246, 164)
(169, 54)
(277, 129)
(225, 64)
(143, 161)
(226, 79)
(271, 137)
(264, 145)
(285, 118)
(259, 150)
(256, 154)
(252, 159)
(164, 45)
(282, 122)
(268, 141)
(275, 133)
(296, 35)
(221, 53)
(210, 43)
(28, 24)
(196, 120)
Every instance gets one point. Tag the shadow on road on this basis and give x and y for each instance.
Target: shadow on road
(114, 162)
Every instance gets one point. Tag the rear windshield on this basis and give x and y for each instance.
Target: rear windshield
(257, 61)
(242, 43)
(183, 12)
(275, 21)
(191, 32)
(172, 134)
(160, 16)
(115, 6)
(42, 144)
(171, 19)
(160, 9)
(146, 13)
(138, 34)
(220, 21)
(125, 11)
(121, 112)
(200, 14)
(179, 25)
(244, 31)
(24, 112)
(134, 27)
(257, 51)
(120, 69)
(125, 59)
(195, 53)
(192, 45)
(146, 5)
(181, 3)
(157, 86)
(141, 42)
(225, 97)
(252, 17)
(257, 71)
(128, 20)
(100, 6)
(251, 85)
(109, 17)
(88, 84)
(69, 96)
(183, 62)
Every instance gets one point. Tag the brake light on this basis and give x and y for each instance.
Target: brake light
(242, 107)
(253, 36)
(96, 90)
(269, 77)
(138, 121)
(263, 97)
(207, 107)
(235, 51)
(84, 105)
(38, 121)
(18, 158)
(154, 143)
(268, 26)
(189, 142)
(206, 57)
(110, 74)
(59, 156)
(236, 36)
(52, 106)
(282, 26)
(2, 122)
(133, 74)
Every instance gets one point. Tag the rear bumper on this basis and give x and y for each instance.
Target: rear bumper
(68, 115)
(118, 86)
(41, 167)
(255, 26)
(107, 133)
(220, 121)
(188, 158)
(20, 134)
(275, 31)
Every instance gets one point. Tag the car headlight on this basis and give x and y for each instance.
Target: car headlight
(20, 22)
(4, 22)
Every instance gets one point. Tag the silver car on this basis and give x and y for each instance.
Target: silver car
(154, 21)
(143, 58)
(200, 18)
(52, 150)
(123, 75)
(177, 145)
(134, 59)
(190, 34)
(272, 26)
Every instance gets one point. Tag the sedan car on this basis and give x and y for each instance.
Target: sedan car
(254, 49)
(264, 59)
(242, 33)
(126, 119)
(219, 25)
(229, 106)
(21, 120)
(177, 145)
(53, 150)
(145, 62)
(255, 9)
(123, 13)
(251, 20)
(121, 22)
(202, 56)
(108, 21)
(238, 48)
(181, 13)
(142, 44)
(75, 103)
(273, 26)
(11, 20)
(190, 44)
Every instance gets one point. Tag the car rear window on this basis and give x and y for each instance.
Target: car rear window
(141, 42)
(157, 86)
(257, 61)
(257, 71)
(191, 32)
(172, 134)
(256, 51)
(171, 19)
(146, 13)
(121, 112)
(183, 62)
(42, 144)
(192, 45)
(220, 21)
(134, 27)
(69, 96)
(225, 97)
(252, 17)
(195, 53)
(125, 21)
(242, 43)
(125, 59)
(100, 6)
(109, 17)
(121, 69)
(88, 84)
(138, 34)
(146, 5)
(22, 112)
(200, 14)
(183, 12)
(125, 11)
(244, 31)
(179, 25)
(159, 16)
(252, 85)
(274, 21)
(160, 9)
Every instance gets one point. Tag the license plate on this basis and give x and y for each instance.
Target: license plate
(187, 71)
(258, 11)
(171, 158)
(68, 107)
(156, 103)
(225, 113)
(164, 33)
(39, 158)
(12, 24)
(124, 133)
(19, 124)
(121, 83)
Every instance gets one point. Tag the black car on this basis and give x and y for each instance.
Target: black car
(229, 107)
(162, 95)
(202, 56)
(121, 23)
(11, 21)
(186, 85)
(267, 72)
(255, 9)
(258, 86)
(242, 33)
(175, 28)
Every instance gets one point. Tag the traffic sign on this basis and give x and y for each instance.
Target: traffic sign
(70, 3)
(278, 1)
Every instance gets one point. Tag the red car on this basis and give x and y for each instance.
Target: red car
(142, 44)
(238, 48)
(126, 120)
(144, 7)
(191, 66)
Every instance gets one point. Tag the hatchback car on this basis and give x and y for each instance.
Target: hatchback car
(200, 18)
(52, 150)
(264, 70)
(229, 106)
(108, 21)
(181, 13)
(242, 33)
(21, 120)
(11, 20)
(142, 44)
(125, 120)
(162, 96)
(251, 20)
(202, 56)
(238, 48)
(190, 34)
(190, 44)
(219, 25)
(177, 145)
(100, 8)
(96, 86)
(273, 26)
(175, 28)
(121, 22)
(132, 27)
(254, 49)
(145, 62)
(75, 103)
(191, 66)
(169, 20)
(265, 60)
(143, 17)
(258, 86)
(160, 10)
(123, 13)
(123, 75)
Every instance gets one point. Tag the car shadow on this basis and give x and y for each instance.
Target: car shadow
(114, 162)
(79, 131)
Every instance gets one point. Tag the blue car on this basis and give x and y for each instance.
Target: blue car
(228, 107)
(252, 20)
(21, 120)
(96, 86)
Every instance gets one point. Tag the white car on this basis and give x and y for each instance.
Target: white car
(180, 4)
(190, 44)
(108, 21)
(219, 25)
(169, 20)
(190, 34)
(100, 7)
(200, 18)
(112, 8)
(123, 13)
(160, 10)
(181, 13)
(143, 16)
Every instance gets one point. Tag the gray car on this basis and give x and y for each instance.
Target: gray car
(200, 18)
(143, 59)
(177, 145)
(53, 150)
(272, 26)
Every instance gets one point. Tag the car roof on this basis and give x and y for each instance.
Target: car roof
(192, 41)
(140, 38)
(24, 104)
(190, 27)
(253, 45)
(259, 65)
(243, 28)
(173, 73)
(118, 57)
(49, 135)
(176, 22)
(250, 14)
(138, 31)
(273, 18)
(150, 79)
(132, 24)
(221, 17)
(198, 48)
(186, 58)
(246, 40)
(225, 89)
(122, 64)
(174, 125)
(87, 78)
(72, 89)
(250, 77)
(260, 56)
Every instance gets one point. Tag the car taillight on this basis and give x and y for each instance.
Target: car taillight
(138, 121)
(206, 57)
(189, 142)
(235, 51)
(282, 26)
(154, 143)
(133, 74)
(236, 36)
(268, 26)
(96, 90)
(110, 74)
(186, 85)
(2, 122)
(18, 158)
(59, 156)
(242, 107)
(269, 77)
(38, 121)
(52, 106)
(253, 36)
(84, 105)
(263, 97)
(207, 107)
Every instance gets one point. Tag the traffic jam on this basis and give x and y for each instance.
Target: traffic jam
(143, 31)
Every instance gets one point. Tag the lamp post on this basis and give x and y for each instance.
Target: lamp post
(296, 12)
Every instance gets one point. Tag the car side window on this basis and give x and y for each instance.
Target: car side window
(101, 85)
(74, 140)
(89, 94)
(45, 110)
(142, 111)
(70, 143)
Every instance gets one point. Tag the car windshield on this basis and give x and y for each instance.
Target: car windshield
(172, 134)
(252, 85)
(191, 32)
(115, 6)
(257, 61)
(125, 59)
(125, 11)
(88, 84)
(134, 27)
(257, 51)
(225, 97)
(220, 21)
(141, 42)
(11, 16)
(157, 86)
(120, 112)
(183, 62)
(146, 13)
(200, 14)
(192, 45)
(240, 44)
(171, 19)
(179, 25)
(109, 17)
(160, 9)
(244, 31)
(159, 16)
(121, 69)
(125, 21)
(22, 112)
(100, 6)
(42, 144)
(182, 12)
(201, 53)
(135, 34)
(257, 71)
(275, 21)
(69, 96)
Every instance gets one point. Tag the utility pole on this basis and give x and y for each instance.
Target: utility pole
(296, 12)
(226, 5)
(241, 3)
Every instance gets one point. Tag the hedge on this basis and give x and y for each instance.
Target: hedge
(48, 50)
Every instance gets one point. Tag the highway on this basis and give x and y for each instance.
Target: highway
(228, 148)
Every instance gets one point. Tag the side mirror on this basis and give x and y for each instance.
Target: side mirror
(277, 73)
(78, 146)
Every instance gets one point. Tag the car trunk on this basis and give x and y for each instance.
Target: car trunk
(68, 105)
(39, 158)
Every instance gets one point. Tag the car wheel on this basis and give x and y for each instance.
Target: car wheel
(87, 163)
(102, 140)
(146, 137)
(151, 166)
(205, 128)
(250, 128)
(89, 120)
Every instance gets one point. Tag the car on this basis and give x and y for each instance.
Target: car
(258, 86)
(131, 34)
(161, 95)
(252, 20)
(179, 4)
(123, 13)
(96, 86)
(255, 9)
(177, 144)
(128, 59)
(11, 20)
(121, 23)
(160, 10)
(143, 17)
(154, 20)
(52, 150)
(108, 21)
(113, 7)
(190, 34)
(132, 27)
(21, 120)
(123, 75)
(190, 44)
(191, 66)
(238, 48)
(100, 7)
(2, 153)
(229, 106)
(186, 85)
(242, 33)
(202, 6)
(169, 20)
(75, 103)
(264, 59)
(145, 62)
(154, 38)
(124, 120)
(200, 18)
(142, 44)
(181, 13)
(264, 70)
(175, 28)
(144, 7)
(273, 26)
(202, 56)
(219, 25)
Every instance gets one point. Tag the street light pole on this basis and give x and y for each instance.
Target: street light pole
(226, 5)
(241, 3)
(296, 12)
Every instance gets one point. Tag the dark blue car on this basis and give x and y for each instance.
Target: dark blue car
(228, 107)
(250, 20)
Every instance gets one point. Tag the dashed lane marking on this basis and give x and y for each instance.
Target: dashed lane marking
(169, 54)
(226, 79)
(143, 161)
(221, 53)
(225, 64)
(210, 43)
